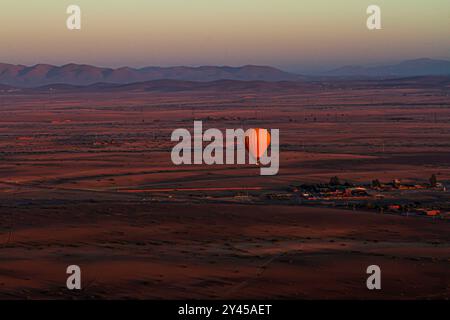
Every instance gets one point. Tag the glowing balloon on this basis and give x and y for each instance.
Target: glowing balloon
(257, 142)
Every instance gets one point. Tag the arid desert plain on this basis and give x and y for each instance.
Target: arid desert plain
(86, 178)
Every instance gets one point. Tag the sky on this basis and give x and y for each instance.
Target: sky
(294, 35)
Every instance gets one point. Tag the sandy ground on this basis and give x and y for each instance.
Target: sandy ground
(138, 250)
(69, 161)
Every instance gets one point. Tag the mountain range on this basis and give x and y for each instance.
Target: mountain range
(409, 68)
(85, 75)
(75, 74)
(227, 86)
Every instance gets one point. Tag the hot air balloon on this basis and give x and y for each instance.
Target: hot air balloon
(257, 142)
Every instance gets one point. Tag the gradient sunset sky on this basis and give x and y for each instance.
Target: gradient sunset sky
(295, 35)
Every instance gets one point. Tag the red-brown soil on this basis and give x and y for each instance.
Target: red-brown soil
(69, 162)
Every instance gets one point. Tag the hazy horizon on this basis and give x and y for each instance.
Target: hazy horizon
(299, 70)
(296, 36)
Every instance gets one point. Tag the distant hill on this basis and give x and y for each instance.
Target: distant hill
(409, 68)
(83, 75)
(167, 85)
(5, 88)
(75, 74)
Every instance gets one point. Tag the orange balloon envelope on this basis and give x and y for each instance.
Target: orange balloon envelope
(257, 142)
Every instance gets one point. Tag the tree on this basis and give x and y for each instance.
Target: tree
(376, 183)
(433, 181)
(396, 183)
(334, 181)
